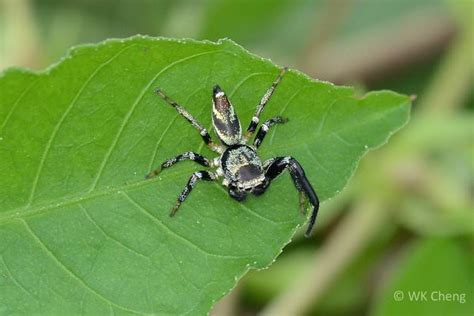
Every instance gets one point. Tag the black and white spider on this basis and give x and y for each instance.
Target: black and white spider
(238, 163)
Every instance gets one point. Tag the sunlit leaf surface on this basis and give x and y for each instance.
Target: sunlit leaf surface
(81, 231)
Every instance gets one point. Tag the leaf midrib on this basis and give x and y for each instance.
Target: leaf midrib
(27, 211)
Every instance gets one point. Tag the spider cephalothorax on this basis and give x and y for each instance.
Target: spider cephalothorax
(238, 163)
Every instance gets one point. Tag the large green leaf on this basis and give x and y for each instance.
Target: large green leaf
(82, 231)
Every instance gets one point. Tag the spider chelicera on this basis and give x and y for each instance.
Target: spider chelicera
(238, 163)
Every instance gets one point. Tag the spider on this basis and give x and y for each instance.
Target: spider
(238, 163)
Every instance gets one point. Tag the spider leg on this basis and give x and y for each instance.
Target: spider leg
(276, 166)
(262, 131)
(189, 155)
(200, 175)
(183, 112)
(302, 203)
(266, 97)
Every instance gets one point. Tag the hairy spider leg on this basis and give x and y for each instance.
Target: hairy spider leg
(183, 112)
(275, 166)
(262, 131)
(189, 155)
(199, 175)
(266, 97)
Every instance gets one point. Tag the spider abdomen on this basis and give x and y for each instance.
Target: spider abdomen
(224, 119)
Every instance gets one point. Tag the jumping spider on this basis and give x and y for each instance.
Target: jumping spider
(239, 164)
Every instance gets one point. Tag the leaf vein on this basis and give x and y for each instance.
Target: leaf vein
(176, 235)
(325, 116)
(248, 210)
(241, 82)
(165, 132)
(94, 222)
(132, 109)
(188, 281)
(15, 281)
(283, 109)
(316, 160)
(344, 141)
(62, 119)
(69, 272)
(14, 106)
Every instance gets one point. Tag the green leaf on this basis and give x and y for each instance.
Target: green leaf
(441, 269)
(83, 232)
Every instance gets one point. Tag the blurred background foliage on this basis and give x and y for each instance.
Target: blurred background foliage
(405, 221)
